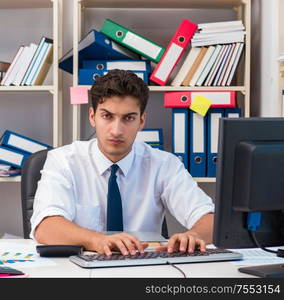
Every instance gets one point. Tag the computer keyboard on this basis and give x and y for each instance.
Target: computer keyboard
(95, 260)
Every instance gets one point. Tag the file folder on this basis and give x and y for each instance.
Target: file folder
(180, 134)
(197, 144)
(88, 76)
(213, 118)
(128, 65)
(95, 45)
(150, 136)
(20, 142)
(173, 53)
(132, 40)
(219, 99)
(12, 157)
(232, 112)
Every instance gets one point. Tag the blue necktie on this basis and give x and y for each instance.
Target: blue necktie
(114, 206)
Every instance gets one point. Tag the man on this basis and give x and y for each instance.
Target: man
(81, 182)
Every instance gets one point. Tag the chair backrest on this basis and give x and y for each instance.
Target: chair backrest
(30, 177)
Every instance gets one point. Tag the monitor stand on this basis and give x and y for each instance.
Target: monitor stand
(275, 270)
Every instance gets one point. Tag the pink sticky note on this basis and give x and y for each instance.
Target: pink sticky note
(79, 95)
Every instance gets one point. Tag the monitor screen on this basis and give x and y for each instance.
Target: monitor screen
(250, 178)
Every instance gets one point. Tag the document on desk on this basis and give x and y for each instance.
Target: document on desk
(22, 256)
(256, 256)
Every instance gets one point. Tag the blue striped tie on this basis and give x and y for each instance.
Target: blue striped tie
(114, 206)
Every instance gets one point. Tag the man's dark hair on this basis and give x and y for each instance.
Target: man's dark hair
(119, 83)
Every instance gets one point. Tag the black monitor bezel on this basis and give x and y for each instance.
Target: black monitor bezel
(229, 230)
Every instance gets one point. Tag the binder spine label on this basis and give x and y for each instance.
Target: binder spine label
(11, 156)
(215, 129)
(168, 62)
(179, 139)
(25, 144)
(143, 45)
(127, 65)
(198, 132)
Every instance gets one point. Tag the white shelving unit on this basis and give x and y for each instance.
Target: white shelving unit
(55, 89)
(241, 7)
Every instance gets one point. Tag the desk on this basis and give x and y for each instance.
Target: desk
(64, 268)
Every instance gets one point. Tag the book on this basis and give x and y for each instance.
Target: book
(202, 65)
(42, 44)
(209, 65)
(6, 80)
(235, 64)
(233, 58)
(27, 57)
(225, 39)
(96, 45)
(216, 66)
(186, 65)
(39, 61)
(222, 65)
(225, 67)
(224, 24)
(194, 67)
(43, 67)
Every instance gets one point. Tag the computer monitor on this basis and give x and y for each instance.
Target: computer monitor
(250, 180)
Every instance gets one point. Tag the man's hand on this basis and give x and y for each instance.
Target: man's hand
(122, 242)
(184, 242)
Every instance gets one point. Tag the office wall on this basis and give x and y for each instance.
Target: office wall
(32, 113)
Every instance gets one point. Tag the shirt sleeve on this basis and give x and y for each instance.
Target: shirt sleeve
(55, 193)
(185, 200)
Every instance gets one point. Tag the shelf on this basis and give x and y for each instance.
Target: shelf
(204, 179)
(10, 179)
(196, 88)
(161, 3)
(36, 88)
(153, 88)
(25, 4)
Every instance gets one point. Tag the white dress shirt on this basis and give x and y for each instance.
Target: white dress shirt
(74, 184)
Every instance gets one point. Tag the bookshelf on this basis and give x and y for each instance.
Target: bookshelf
(53, 90)
(241, 9)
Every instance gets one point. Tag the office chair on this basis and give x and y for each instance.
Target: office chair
(30, 177)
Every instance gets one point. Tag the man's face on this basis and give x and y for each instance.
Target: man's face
(117, 121)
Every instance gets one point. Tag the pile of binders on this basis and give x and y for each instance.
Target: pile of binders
(117, 47)
(151, 136)
(195, 137)
(15, 149)
(212, 59)
(99, 54)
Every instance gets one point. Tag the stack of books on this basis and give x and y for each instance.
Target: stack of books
(30, 65)
(214, 56)
(151, 136)
(14, 150)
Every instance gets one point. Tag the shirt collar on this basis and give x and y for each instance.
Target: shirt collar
(103, 163)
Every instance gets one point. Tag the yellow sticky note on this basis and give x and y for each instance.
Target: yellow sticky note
(200, 104)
